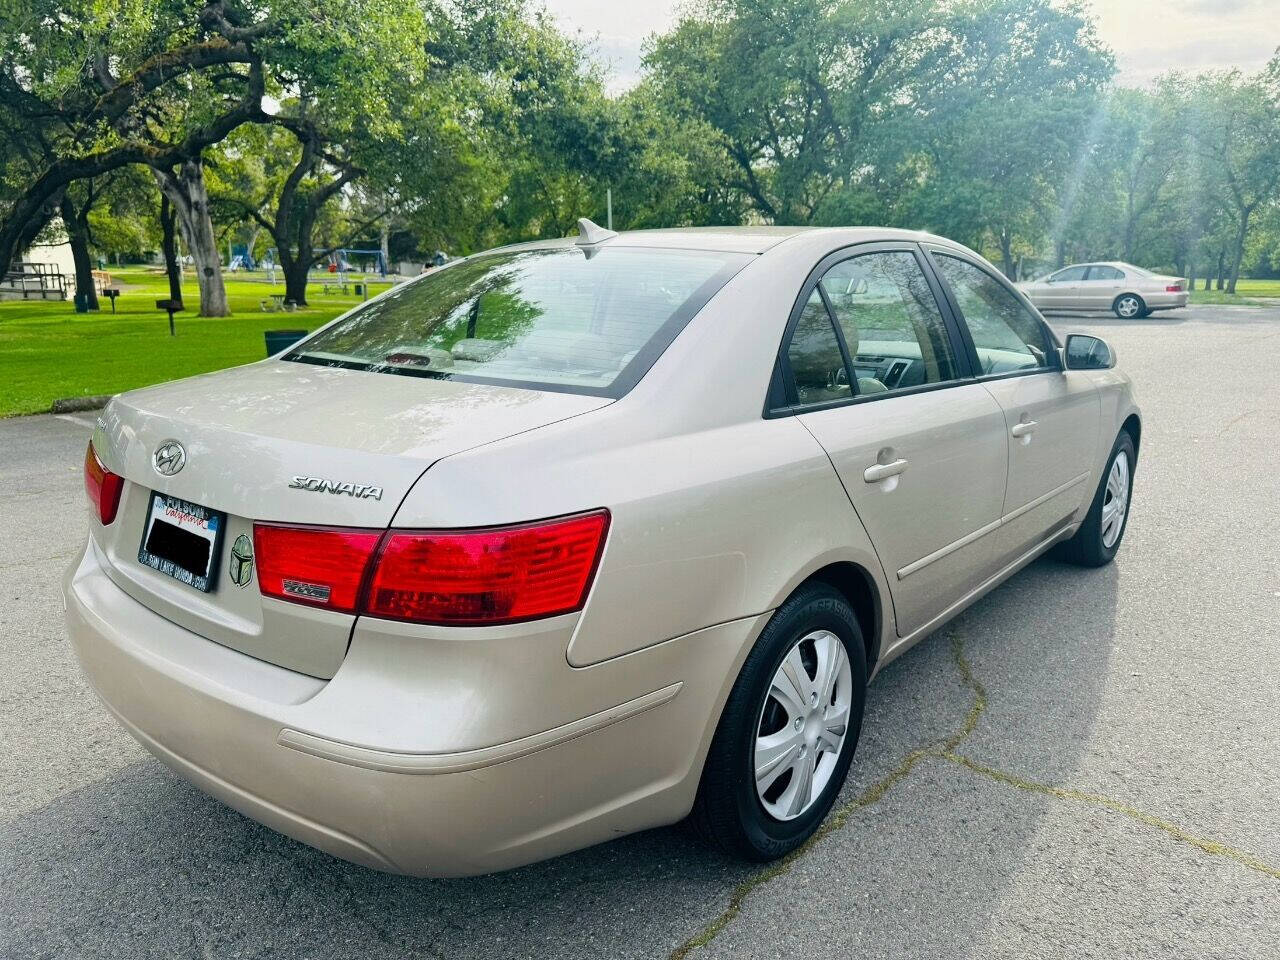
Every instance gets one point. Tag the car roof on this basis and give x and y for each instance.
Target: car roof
(749, 239)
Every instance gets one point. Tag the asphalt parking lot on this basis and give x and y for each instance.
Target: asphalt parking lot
(1084, 764)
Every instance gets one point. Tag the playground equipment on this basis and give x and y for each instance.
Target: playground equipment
(341, 261)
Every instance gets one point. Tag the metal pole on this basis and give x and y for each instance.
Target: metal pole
(608, 195)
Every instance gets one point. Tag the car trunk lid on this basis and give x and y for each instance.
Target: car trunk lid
(289, 443)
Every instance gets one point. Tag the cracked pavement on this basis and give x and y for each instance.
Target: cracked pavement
(1115, 792)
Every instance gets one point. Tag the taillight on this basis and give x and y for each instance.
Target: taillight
(321, 566)
(459, 577)
(102, 486)
(1173, 288)
(498, 575)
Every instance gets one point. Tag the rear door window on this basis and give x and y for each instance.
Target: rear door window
(552, 319)
(891, 322)
(817, 363)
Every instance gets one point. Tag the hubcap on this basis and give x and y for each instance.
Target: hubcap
(802, 725)
(1115, 500)
(1128, 307)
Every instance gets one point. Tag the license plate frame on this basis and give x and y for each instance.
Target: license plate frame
(184, 526)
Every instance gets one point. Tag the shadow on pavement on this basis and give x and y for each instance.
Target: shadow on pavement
(143, 864)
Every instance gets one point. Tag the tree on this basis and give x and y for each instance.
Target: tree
(796, 89)
(1001, 116)
(107, 84)
(76, 204)
(1237, 130)
(92, 80)
(184, 189)
(962, 117)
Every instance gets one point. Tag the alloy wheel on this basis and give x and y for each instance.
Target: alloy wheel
(802, 725)
(1128, 307)
(1115, 500)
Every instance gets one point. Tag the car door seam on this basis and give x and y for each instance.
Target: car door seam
(1007, 518)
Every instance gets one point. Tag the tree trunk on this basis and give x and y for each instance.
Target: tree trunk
(186, 191)
(84, 269)
(253, 242)
(384, 238)
(76, 223)
(1191, 275)
(1130, 230)
(1222, 260)
(169, 247)
(1237, 255)
(295, 280)
(1006, 254)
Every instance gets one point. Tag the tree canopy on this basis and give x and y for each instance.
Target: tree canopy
(465, 125)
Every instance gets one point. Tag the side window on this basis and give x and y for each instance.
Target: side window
(1105, 273)
(891, 323)
(1069, 274)
(817, 365)
(1007, 335)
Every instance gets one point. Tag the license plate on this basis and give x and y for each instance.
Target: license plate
(182, 540)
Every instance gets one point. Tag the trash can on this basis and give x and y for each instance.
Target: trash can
(82, 302)
(280, 340)
(359, 289)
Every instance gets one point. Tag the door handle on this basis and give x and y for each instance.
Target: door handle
(883, 471)
(1024, 428)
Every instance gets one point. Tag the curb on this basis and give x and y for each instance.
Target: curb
(79, 404)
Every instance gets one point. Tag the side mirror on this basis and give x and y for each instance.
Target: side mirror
(1088, 353)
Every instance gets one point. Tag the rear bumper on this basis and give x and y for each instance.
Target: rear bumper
(297, 753)
(1167, 301)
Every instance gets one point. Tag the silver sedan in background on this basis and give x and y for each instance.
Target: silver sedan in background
(1128, 291)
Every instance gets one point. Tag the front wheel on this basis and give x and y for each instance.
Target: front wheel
(1096, 542)
(788, 732)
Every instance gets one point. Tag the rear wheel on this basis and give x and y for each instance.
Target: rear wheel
(788, 732)
(1096, 542)
(1129, 306)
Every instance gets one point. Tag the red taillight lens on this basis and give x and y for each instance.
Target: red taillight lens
(102, 486)
(321, 566)
(497, 575)
(463, 578)
(1173, 288)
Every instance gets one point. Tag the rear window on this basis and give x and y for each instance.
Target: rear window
(555, 319)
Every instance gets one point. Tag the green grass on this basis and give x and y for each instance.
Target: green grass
(1246, 292)
(48, 351)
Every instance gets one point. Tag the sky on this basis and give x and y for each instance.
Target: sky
(1149, 37)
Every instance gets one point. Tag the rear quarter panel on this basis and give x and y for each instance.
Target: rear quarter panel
(706, 527)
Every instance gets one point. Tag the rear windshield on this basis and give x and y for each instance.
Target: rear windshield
(559, 319)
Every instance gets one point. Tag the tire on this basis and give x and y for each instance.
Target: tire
(1096, 542)
(731, 811)
(1129, 306)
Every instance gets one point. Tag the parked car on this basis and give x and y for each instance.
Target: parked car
(1127, 291)
(572, 539)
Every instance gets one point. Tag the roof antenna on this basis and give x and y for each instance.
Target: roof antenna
(590, 233)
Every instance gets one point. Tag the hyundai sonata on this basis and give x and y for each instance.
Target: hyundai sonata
(575, 538)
